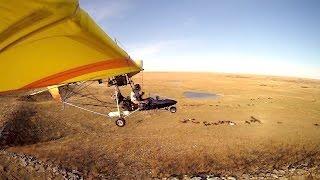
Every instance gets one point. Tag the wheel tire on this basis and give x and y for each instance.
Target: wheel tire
(120, 122)
(173, 109)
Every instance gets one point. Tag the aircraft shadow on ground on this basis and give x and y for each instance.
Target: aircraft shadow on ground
(23, 127)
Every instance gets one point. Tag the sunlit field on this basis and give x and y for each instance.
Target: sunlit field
(255, 125)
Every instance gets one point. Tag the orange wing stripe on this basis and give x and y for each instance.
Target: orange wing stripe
(69, 74)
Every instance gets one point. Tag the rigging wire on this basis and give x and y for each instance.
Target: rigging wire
(70, 93)
(75, 92)
(142, 79)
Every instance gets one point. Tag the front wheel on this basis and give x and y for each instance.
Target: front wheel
(120, 122)
(173, 109)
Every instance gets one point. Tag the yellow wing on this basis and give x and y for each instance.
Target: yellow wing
(51, 42)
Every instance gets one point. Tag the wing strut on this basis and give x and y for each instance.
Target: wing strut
(117, 100)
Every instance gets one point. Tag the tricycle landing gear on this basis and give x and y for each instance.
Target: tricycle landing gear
(120, 122)
(173, 109)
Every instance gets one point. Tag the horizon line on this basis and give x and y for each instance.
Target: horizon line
(236, 73)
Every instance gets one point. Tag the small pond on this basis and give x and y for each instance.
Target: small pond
(200, 95)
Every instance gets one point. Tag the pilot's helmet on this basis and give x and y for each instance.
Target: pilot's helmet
(137, 87)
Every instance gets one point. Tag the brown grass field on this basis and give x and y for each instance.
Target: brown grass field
(161, 144)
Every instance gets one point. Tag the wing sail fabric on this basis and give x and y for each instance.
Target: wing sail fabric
(51, 42)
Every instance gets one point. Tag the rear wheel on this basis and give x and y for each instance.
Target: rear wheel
(120, 122)
(173, 109)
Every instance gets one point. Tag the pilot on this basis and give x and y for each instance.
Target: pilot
(136, 96)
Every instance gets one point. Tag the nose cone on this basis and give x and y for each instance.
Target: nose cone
(171, 102)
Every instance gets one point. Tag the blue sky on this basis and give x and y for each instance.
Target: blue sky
(276, 37)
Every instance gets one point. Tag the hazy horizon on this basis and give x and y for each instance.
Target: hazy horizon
(231, 73)
(266, 37)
